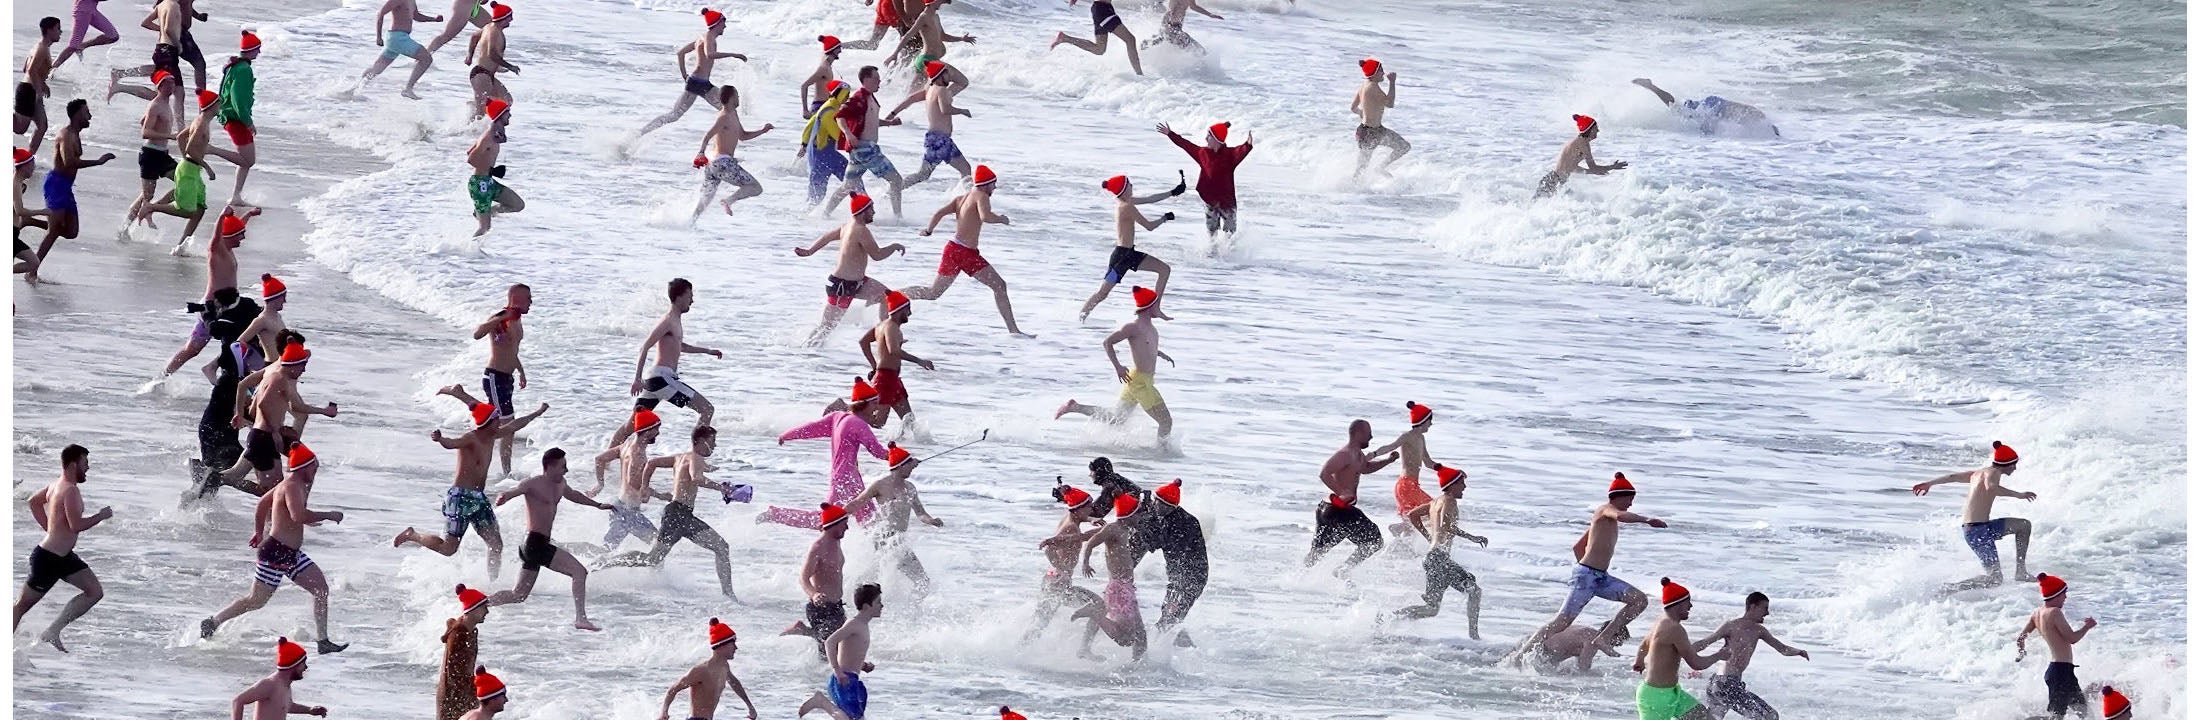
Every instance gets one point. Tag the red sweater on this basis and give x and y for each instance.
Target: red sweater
(1217, 170)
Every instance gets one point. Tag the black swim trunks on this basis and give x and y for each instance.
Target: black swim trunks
(164, 58)
(838, 288)
(1334, 525)
(154, 163)
(190, 52)
(2064, 694)
(823, 619)
(1104, 19)
(698, 86)
(26, 99)
(478, 70)
(497, 386)
(536, 552)
(48, 568)
(1122, 261)
(260, 449)
(679, 523)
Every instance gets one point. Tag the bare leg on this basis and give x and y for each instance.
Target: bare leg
(1160, 414)
(679, 108)
(745, 191)
(2021, 528)
(1161, 274)
(24, 603)
(1094, 301)
(520, 590)
(1130, 45)
(460, 17)
(492, 540)
(90, 593)
(826, 324)
(314, 583)
(878, 32)
(253, 600)
(565, 564)
(441, 545)
(1098, 45)
(818, 702)
(992, 279)
(422, 59)
(710, 540)
(931, 292)
(1528, 647)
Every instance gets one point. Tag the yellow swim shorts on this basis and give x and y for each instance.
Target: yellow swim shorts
(1139, 389)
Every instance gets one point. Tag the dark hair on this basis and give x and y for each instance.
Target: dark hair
(868, 72)
(73, 453)
(1757, 598)
(1100, 465)
(519, 286)
(867, 594)
(79, 104)
(678, 287)
(553, 455)
(287, 337)
(225, 297)
(726, 94)
(49, 23)
(703, 431)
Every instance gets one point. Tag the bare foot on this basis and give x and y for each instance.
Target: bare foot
(325, 647)
(1022, 334)
(1057, 40)
(114, 81)
(52, 638)
(406, 536)
(584, 624)
(408, 94)
(452, 390)
(728, 205)
(1064, 409)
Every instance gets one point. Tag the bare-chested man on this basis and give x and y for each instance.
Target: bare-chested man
(157, 128)
(1126, 257)
(485, 57)
(543, 493)
(58, 508)
(1338, 518)
(263, 336)
(505, 330)
(715, 156)
(1117, 614)
(1138, 379)
(821, 579)
(270, 395)
(398, 41)
(170, 21)
(1710, 113)
(632, 454)
(697, 80)
(1591, 579)
(489, 196)
(1443, 573)
(466, 503)
(31, 92)
(860, 120)
(1105, 24)
(1576, 157)
(270, 697)
(1980, 529)
(708, 680)
(221, 286)
(1412, 449)
(279, 531)
(1727, 692)
(187, 199)
(939, 137)
(1371, 102)
(1578, 645)
(897, 500)
(845, 697)
(679, 521)
(885, 349)
(813, 87)
(490, 693)
(2064, 694)
(662, 384)
(850, 280)
(960, 255)
(60, 185)
(1660, 696)
(932, 41)
(1057, 587)
(1172, 25)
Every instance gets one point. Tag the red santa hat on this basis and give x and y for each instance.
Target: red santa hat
(248, 42)
(207, 98)
(295, 354)
(2114, 706)
(857, 203)
(1449, 476)
(933, 69)
(1620, 486)
(288, 654)
(720, 634)
(1074, 498)
(271, 288)
(896, 302)
(1007, 714)
(469, 598)
(1219, 131)
(862, 392)
(982, 176)
(1370, 67)
(1670, 592)
(1419, 414)
(301, 457)
(829, 515)
(1144, 298)
(835, 87)
(1172, 493)
(1116, 185)
(23, 157)
(500, 11)
(896, 457)
(713, 18)
(495, 108)
(486, 686)
(645, 419)
(1125, 504)
(1582, 123)
(231, 225)
(2004, 455)
(162, 76)
(832, 44)
(483, 413)
(2051, 587)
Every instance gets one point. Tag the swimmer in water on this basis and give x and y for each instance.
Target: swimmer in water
(1444, 573)
(1058, 587)
(845, 697)
(1372, 102)
(399, 42)
(466, 504)
(1118, 614)
(1709, 112)
(821, 578)
(1138, 379)
(679, 521)
(1660, 696)
(543, 493)
(1576, 157)
(1338, 517)
(505, 372)
(1412, 449)
(270, 698)
(1593, 555)
(719, 166)
(279, 531)
(2064, 694)
(959, 255)
(849, 281)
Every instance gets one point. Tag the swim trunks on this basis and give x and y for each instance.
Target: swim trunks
(26, 99)
(1122, 261)
(87, 15)
(1221, 218)
(849, 694)
(278, 561)
(1549, 184)
(190, 52)
(1590, 582)
(536, 552)
(1730, 692)
(627, 520)
(867, 157)
(918, 64)
(190, 187)
(842, 293)
(698, 86)
(663, 385)
(483, 190)
(1104, 19)
(48, 568)
(154, 163)
(1656, 703)
(60, 191)
(890, 390)
(240, 132)
(1139, 389)
(260, 449)
(725, 169)
(2064, 695)
(1981, 536)
(939, 147)
(463, 508)
(165, 57)
(1371, 137)
(1409, 494)
(1172, 33)
(1121, 595)
(956, 257)
(1442, 573)
(399, 43)
(496, 385)
(1334, 524)
(888, 15)
(822, 619)
(678, 522)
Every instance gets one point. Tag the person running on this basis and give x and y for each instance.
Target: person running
(698, 84)
(219, 447)
(1578, 644)
(491, 197)
(1183, 544)
(822, 141)
(221, 287)
(489, 694)
(485, 57)
(270, 698)
(168, 21)
(884, 349)
(940, 111)
(58, 508)
(960, 256)
(897, 499)
(1058, 587)
(1442, 571)
(466, 503)
(1373, 100)
(1576, 157)
(271, 398)
(1217, 173)
(236, 113)
(2064, 694)
(820, 578)
(454, 694)
(850, 280)
(718, 166)
(26, 257)
(1591, 576)
(60, 186)
(1138, 380)
(1708, 113)
(31, 92)
(505, 372)
(1412, 449)
(845, 697)
(1105, 23)
(1118, 614)
(679, 521)
(850, 430)
(279, 531)
(1660, 696)
(543, 493)
(187, 199)
(819, 84)
(1126, 257)
(859, 124)
(663, 384)
(932, 43)
(1980, 529)
(262, 336)
(1172, 25)
(708, 680)
(157, 128)
(398, 42)
(86, 15)
(1338, 518)
(1727, 692)
(627, 517)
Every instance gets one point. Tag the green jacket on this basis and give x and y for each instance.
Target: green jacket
(236, 94)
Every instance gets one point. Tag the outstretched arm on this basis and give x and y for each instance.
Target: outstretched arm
(940, 214)
(513, 427)
(1194, 7)
(811, 430)
(1950, 478)
(577, 498)
(740, 692)
(822, 240)
(1784, 648)
(1714, 637)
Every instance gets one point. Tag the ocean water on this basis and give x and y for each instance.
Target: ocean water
(1971, 230)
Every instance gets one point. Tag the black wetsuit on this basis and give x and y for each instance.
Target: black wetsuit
(218, 445)
(1172, 531)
